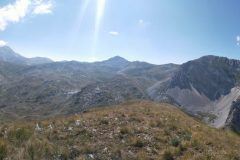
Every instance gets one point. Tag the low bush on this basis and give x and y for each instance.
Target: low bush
(176, 141)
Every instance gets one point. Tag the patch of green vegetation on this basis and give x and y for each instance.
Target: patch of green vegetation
(176, 141)
(204, 115)
(19, 135)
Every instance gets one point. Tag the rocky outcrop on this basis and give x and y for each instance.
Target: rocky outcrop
(233, 120)
(106, 93)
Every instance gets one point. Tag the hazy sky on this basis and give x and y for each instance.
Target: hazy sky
(156, 31)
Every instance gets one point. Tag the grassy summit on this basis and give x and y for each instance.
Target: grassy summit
(134, 130)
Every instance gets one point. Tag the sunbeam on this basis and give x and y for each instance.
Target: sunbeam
(74, 33)
(83, 9)
(100, 11)
(99, 14)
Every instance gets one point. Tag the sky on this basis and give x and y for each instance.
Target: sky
(155, 31)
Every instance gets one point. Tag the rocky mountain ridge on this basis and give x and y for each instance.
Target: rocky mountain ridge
(205, 87)
(8, 55)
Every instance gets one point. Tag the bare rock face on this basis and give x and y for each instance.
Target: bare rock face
(210, 75)
(114, 91)
(206, 88)
(233, 120)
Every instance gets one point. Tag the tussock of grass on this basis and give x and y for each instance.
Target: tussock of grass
(136, 130)
(3, 150)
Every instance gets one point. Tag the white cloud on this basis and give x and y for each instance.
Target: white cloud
(15, 12)
(43, 8)
(238, 40)
(113, 33)
(2, 43)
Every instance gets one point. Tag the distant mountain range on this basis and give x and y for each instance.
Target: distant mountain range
(8, 55)
(33, 88)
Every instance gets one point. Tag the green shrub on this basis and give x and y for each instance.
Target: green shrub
(19, 135)
(175, 141)
(22, 134)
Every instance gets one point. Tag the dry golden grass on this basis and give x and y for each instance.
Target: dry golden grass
(134, 130)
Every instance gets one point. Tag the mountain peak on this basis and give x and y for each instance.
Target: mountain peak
(7, 54)
(5, 47)
(219, 60)
(116, 62)
(117, 58)
(7, 50)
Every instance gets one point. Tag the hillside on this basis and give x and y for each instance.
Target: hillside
(134, 130)
(57, 88)
(206, 87)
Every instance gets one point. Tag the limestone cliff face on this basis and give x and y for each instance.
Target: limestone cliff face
(233, 120)
(210, 75)
(208, 85)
